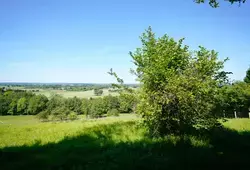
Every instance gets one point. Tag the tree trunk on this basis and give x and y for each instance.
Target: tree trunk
(235, 114)
(249, 112)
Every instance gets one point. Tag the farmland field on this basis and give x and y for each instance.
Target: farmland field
(80, 94)
(117, 143)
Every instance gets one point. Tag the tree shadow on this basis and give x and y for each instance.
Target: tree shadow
(223, 149)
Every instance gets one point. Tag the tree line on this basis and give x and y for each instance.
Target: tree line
(18, 102)
(67, 87)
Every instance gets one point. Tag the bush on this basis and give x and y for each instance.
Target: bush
(60, 113)
(113, 112)
(43, 116)
(72, 116)
(111, 102)
(97, 108)
(74, 104)
(98, 92)
(178, 86)
(127, 102)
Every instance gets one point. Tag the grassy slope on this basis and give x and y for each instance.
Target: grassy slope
(117, 143)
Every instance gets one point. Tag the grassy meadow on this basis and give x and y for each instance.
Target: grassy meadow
(117, 143)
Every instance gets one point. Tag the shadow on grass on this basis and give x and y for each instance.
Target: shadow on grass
(226, 149)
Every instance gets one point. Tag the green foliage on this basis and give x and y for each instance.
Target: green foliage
(4, 105)
(98, 92)
(113, 112)
(14, 102)
(74, 104)
(60, 113)
(55, 101)
(37, 104)
(235, 97)
(43, 115)
(127, 102)
(72, 116)
(85, 106)
(247, 78)
(178, 86)
(12, 107)
(97, 108)
(111, 102)
(22, 105)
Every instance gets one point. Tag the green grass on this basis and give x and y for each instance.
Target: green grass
(240, 125)
(80, 94)
(118, 143)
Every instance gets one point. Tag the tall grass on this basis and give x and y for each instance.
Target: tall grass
(119, 143)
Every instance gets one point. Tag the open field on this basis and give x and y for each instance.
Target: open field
(117, 143)
(68, 94)
(80, 94)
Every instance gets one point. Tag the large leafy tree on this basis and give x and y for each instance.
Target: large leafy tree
(111, 102)
(178, 87)
(97, 108)
(247, 78)
(232, 99)
(74, 104)
(37, 104)
(98, 92)
(22, 105)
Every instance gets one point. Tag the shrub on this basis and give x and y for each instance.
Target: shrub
(72, 116)
(97, 108)
(43, 116)
(127, 102)
(113, 112)
(98, 92)
(111, 102)
(178, 86)
(60, 113)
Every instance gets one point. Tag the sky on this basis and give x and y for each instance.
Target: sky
(78, 41)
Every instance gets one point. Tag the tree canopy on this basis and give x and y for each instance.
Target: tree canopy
(178, 86)
(247, 78)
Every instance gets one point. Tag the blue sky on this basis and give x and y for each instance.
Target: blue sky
(80, 40)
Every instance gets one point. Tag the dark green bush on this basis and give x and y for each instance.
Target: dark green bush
(43, 116)
(60, 113)
(113, 112)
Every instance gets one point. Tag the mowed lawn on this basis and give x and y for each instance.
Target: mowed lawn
(118, 143)
(80, 94)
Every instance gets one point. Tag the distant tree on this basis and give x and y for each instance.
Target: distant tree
(215, 3)
(237, 98)
(22, 105)
(12, 108)
(55, 101)
(74, 104)
(247, 78)
(37, 104)
(97, 108)
(111, 102)
(98, 92)
(127, 102)
(85, 106)
(113, 112)
(60, 113)
(43, 115)
(72, 116)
